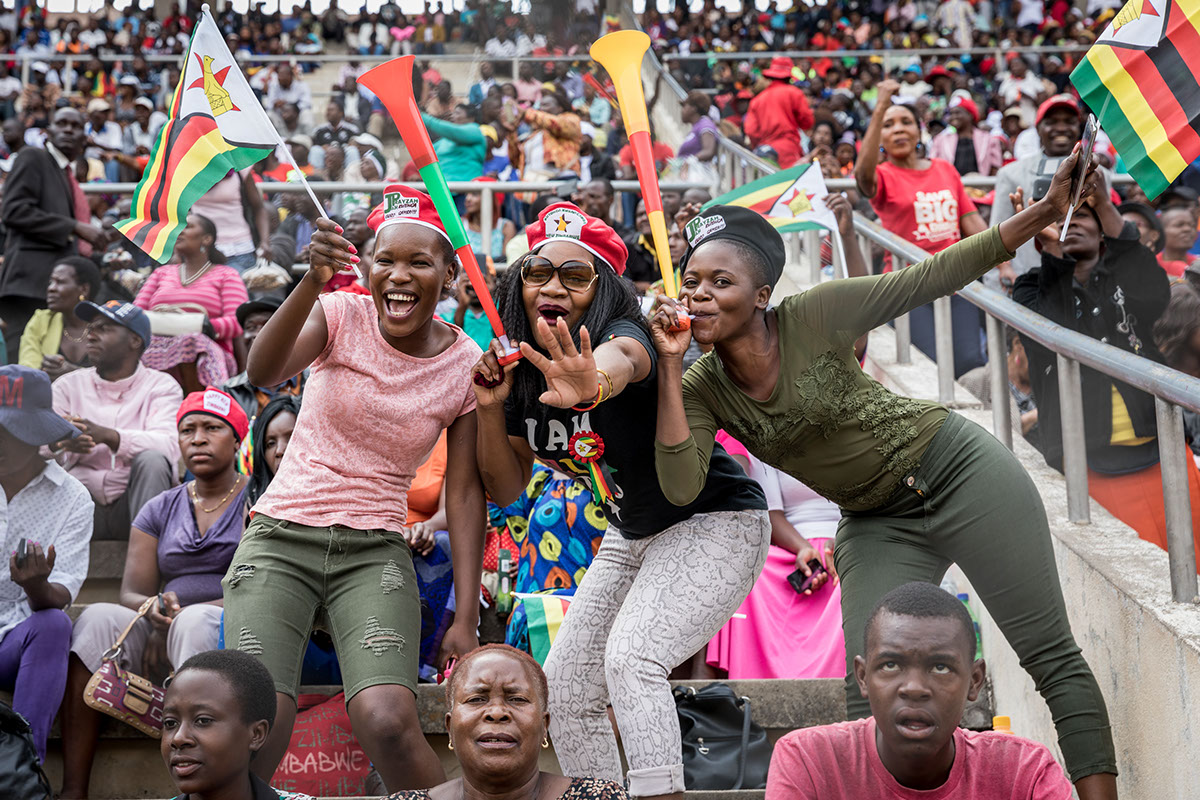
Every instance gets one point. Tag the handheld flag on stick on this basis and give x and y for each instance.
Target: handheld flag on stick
(1147, 62)
(216, 125)
(621, 54)
(392, 84)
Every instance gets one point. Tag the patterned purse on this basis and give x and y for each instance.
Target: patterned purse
(121, 694)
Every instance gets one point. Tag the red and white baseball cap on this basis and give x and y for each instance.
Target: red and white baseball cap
(1057, 101)
(567, 222)
(966, 104)
(402, 204)
(217, 404)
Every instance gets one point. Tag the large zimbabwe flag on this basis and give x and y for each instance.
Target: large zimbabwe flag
(1140, 77)
(216, 124)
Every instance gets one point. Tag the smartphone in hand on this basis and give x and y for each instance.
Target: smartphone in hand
(1087, 146)
(22, 552)
(801, 582)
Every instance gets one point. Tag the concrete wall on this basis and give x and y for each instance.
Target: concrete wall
(1143, 648)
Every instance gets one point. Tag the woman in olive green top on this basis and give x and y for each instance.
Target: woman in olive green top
(919, 486)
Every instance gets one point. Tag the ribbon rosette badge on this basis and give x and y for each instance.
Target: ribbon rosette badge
(587, 447)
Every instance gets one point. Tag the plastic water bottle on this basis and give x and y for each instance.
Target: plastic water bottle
(1002, 725)
(504, 599)
(964, 597)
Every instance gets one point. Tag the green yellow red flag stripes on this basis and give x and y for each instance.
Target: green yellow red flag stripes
(544, 614)
(216, 125)
(1140, 76)
(791, 200)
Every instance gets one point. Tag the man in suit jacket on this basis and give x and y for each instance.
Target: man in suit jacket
(47, 218)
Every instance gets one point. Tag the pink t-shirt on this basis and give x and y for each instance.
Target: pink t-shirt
(219, 290)
(840, 761)
(370, 416)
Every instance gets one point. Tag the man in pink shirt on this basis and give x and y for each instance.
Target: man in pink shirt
(918, 672)
(126, 412)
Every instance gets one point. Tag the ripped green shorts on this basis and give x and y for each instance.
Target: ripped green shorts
(359, 585)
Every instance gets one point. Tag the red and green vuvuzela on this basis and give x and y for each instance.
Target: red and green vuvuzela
(392, 84)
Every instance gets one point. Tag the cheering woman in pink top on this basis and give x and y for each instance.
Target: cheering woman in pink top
(328, 544)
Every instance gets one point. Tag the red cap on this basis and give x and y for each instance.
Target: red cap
(745, 94)
(1057, 101)
(215, 403)
(402, 204)
(938, 72)
(566, 222)
(958, 101)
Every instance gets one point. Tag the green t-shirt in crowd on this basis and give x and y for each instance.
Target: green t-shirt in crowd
(827, 423)
(476, 325)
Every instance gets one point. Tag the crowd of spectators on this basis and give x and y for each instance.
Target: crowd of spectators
(125, 341)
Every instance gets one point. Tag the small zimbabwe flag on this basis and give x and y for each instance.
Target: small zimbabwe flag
(544, 615)
(791, 200)
(216, 125)
(1141, 76)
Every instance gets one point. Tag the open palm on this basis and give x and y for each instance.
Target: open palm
(570, 372)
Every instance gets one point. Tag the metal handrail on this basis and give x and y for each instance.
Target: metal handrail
(486, 191)
(885, 52)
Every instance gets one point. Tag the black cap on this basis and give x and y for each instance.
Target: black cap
(263, 302)
(741, 225)
(1150, 215)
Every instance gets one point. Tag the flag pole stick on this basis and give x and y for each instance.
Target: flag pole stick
(311, 194)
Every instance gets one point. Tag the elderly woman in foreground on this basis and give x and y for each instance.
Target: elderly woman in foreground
(498, 722)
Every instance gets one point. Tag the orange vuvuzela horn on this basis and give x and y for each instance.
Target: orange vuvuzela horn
(621, 54)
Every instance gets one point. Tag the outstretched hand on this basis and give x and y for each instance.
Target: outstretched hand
(1062, 185)
(491, 381)
(570, 372)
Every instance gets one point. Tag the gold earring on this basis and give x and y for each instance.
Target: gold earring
(450, 744)
(545, 742)
(82, 297)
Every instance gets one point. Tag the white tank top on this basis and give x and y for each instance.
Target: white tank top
(223, 206)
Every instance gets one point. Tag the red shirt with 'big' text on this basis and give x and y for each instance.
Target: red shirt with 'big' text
(922, 206)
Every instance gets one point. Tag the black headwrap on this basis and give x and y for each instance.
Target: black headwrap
(741, 225)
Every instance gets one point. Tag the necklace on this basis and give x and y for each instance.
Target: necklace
(185, 281)
(196, 498)
(75, 339)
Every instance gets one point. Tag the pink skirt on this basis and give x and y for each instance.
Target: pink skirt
(214, 365)
(783, 634)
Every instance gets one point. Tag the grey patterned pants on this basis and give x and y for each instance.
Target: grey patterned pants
(644, 607)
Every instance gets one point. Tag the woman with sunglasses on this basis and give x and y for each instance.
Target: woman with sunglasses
(665, 578)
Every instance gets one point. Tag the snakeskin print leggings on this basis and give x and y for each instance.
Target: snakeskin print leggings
(644, 607)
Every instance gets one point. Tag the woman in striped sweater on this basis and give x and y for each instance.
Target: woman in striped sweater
(198, 281)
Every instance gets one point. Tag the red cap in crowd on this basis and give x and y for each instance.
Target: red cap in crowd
(567, 222)
(938, 72)
(403, 204)
(781, 68)
(217, 404)
(1057, 101)
(958, 101)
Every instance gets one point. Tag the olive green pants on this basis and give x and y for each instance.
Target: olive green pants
(971, 502)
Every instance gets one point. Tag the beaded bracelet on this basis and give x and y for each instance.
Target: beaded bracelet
(599, 399)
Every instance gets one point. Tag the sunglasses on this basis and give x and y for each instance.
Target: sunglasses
(575, 276)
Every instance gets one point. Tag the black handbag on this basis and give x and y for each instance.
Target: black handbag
(722, 747)
(21, 776)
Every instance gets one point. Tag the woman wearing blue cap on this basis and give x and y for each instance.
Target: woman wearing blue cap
(919, 486)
